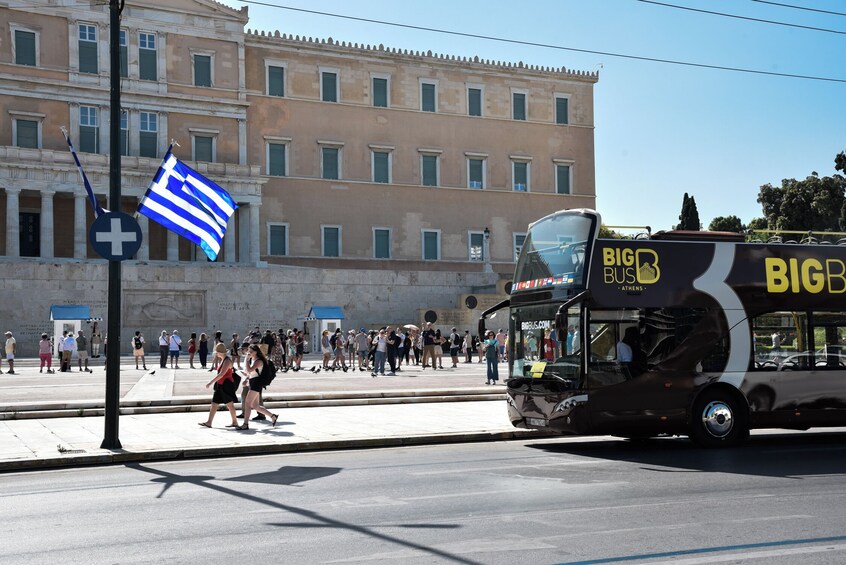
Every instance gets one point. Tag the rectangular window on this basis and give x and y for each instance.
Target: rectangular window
(518, 105)
(147, 56)
(276, 154)
(24, 48)
(381, 166)
(89, 132)
(520, 175)
(429, 164)
(381, 243)
(277, 237)
(477, 246)
(123, 54)
(27, 134)
(275, 81)
(562, 179)
(431, 245)
(781, 344)
(380, 92)
(204, 148)
(329, 86)
(519, 239)
(476, 173)
(202, 70)
(88, 49)
(331, 241)
(562, 110)
(148, 136)
(428, 97)
(330, 162)
(124, 133)
(474, 101)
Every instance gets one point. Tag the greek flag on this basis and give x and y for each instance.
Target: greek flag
(184, 201)
(91, 198)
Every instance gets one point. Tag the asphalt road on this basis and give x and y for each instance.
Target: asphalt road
(780, 499)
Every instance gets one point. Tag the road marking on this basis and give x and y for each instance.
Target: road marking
(735, 557)
(154, 385)
(504, 467)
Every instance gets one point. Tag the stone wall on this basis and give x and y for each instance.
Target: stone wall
(201, 297)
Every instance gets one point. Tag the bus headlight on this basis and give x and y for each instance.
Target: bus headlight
(567, 405)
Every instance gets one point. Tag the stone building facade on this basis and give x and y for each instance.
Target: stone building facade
(361, 162)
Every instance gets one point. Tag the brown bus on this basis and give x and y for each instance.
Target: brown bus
(680, 333)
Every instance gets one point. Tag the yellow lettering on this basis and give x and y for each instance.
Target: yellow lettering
(608, 256)
(829, 263)
(627, 257)
(794, 275)
(776, 269)
(814, 282)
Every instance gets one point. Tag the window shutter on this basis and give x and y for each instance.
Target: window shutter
(427, 93)
(278, 243)
(24, 48)
(561, 109)
(202, 70)
(27, 134)
(276, 81)
(147, 64)
(382, 244)
(430, 170)
(380, 167)
(519, 104)
(330, 163)
(380, 92)
(563, 173)
(474, 102)
(203, 148)
(88, 57)
(330, 87)
(276, 157)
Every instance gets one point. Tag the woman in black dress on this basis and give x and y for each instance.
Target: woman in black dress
(225, 390)
(256, 361)
(203, 349)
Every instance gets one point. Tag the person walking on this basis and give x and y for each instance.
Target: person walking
(163, 349)
(338, 345)
(45, 353)
(11, 350)
(174, 345)
(138, 349)
(363, 345)
(491, 347)
(68, 347)
(256, 362)
(468, 347)
(225, 390)
(454, 346)
(203, 349)
(234, 351)
(429, 346)
(439, 350)
(192, 349)
(96, 340)
(325, 348)
(392, 349)
(82, 352)
(380, 344)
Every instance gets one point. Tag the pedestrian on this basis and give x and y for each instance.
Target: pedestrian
(477, 341)
(429, 346)
(439, 350)
(468, 347)
(11, 349)
(325, 348)
(256, 363)
(417, 338)
(491, 347)
(218, 338)
(350, 348)
(175, 346)
(225, 389)
(454, 346)
(234, 353)
(362, 345)
(45, 353)
(68, 347)
(96, 340)
(400, 347)
(203, 349)
(301, 345)
(138, 349)
(164, 346)
(60, 347)
(409, 345)
(338, 349)
(269, 342)
(279, 350)
(380, 345)
(82, 352)
(192, 349)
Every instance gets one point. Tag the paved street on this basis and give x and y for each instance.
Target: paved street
(778, 501)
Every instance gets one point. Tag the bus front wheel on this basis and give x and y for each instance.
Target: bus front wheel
(718, 420)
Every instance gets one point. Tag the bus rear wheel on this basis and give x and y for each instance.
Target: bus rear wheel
(718, 420)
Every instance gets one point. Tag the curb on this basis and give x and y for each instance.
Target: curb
(122, 457)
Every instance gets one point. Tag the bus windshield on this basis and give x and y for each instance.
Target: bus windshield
(536, 351)
(553, 253)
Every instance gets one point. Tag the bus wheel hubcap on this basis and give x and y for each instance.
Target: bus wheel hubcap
(717, 418)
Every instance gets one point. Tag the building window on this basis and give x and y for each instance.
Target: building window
(382, 166)
(330, 162)
(26, 133)
(277, 239)
(30, 234)
(329, 85)
(123, 51)
(562, 109)
(519, 239)
(331, 241)
(431, 245)
(25, 47)
(428, 96)
(380, 91)
(148, 57)
(202, 70)
(429, 170)
(520, 176)
(277, 159)
(475, 172)
(474, 101)
(563, 179)
(518, 105)
(203, 148)
(381, 243)
(148, 136)
(275, 80)
(476, 241)
(89, 132)
(124, 133)
(88, 49)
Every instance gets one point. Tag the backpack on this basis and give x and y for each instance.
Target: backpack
(332, 341)
(456, 340)
(268, 372)
(138, 343)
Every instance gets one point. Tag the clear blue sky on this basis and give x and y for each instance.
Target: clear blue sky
(661, 130)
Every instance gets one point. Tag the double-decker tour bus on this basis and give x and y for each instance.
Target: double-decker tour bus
(680, 333)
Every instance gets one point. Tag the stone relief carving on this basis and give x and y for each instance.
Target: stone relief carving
(144, 308)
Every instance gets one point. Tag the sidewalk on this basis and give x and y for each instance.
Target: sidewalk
(41, 424)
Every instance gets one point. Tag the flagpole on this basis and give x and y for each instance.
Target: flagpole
(110, 438)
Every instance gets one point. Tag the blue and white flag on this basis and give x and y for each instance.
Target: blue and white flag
(186, 202)
(98, 210)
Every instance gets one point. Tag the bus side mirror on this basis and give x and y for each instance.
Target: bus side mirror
(560, 326)
(481, 327)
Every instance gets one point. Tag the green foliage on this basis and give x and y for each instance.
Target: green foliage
(607, 233)
(815, 203)
(689, 217)
(757, 224)
(726, 223)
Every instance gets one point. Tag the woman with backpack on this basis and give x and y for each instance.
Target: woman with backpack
(138, 349)
(258, 371)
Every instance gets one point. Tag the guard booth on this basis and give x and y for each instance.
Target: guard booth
(320, 318)
(69, 317)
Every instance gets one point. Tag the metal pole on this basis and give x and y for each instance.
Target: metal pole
(110, 438)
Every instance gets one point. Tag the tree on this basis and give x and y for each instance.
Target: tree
(689, 217)
(815, 203)
(726, 223)
(758, 224)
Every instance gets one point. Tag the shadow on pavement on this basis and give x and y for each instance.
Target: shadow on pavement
(289, 475)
